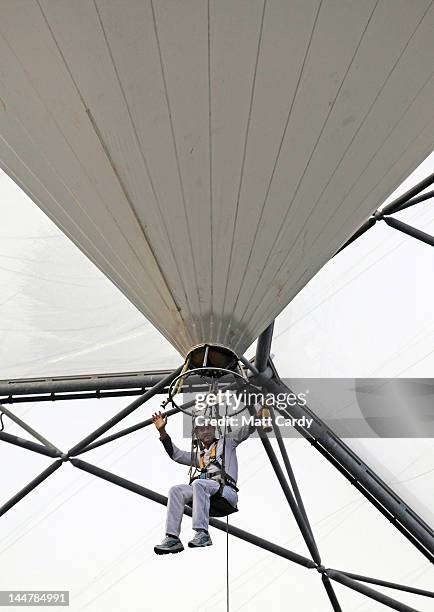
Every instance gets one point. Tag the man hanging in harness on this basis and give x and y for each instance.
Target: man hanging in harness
(217, 468)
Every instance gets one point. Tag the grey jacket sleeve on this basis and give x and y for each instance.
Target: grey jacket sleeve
(242, 433)
(175, 453)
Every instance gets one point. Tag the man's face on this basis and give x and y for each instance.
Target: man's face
(205, 433)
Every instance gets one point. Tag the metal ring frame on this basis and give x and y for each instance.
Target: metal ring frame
(201, 372)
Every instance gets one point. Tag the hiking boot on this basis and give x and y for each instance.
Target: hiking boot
(200, 539)
(170, 544)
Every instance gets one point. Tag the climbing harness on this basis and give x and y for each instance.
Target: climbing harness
(219, 505)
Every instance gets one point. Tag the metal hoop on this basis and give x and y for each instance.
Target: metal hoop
(207, 372)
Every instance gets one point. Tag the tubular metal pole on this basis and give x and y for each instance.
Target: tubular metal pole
(87, 387)
(306, 533)
(390, 585)
(28, 444)
(357, 471)
(290, 471)
(249, 365)
(375, 490)
(361, 588)
(264, 544)
(362, 229)
(393, 206)
(128, 430)
(263, 348)
(123, 432)
(410, 230)
(85, 382)
(369, 496)
(63, 397)
(32, 485)
(124, 413)
(161, 499)
(29, 429)
(421, 198)
(326, 582)
(331, 593)
(404, 201)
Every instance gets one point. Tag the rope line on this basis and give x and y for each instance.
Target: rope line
(227, 563)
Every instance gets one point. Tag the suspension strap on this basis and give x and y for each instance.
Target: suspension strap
(224, 475)
(180, 382)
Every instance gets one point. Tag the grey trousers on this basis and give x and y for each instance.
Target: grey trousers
(199, 493)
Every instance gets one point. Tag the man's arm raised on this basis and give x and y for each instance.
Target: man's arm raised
(243, 432)
(175, 453)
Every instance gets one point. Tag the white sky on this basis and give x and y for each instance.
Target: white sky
(367, 313)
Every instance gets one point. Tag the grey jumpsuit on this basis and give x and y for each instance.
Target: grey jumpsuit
(200, 490)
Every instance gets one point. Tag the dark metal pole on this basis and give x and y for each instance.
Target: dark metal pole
(393, 206)
(85, 382)
(390, 585)
(123, 432)
(29, 429)
(412, 202)
(325, 580)
(362, 229)
(263, 348)
(32, 485)
(376, 492)
(264, 544)
(290, 472)
(79, 395)
(376, 595)
(128, 430)
(306, 533)
(331, 593)
(133, 428)
(324, 439)
(369, 496)
(161, 499)
(410, 230)
(249, 365)
(125, 412)
(33, 446)
(62, 397)
(404, 201)
(88, 387)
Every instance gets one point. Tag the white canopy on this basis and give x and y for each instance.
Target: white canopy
(211, 158)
